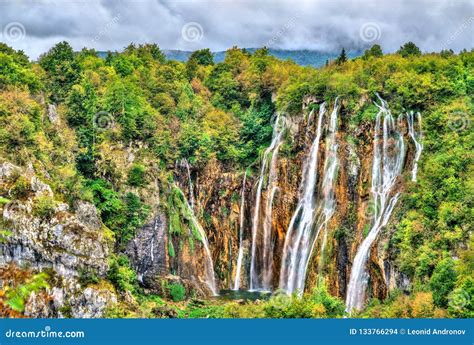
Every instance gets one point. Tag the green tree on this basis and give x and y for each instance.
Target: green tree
(61, 68)
(342, 57)
(198, 58)
(442, 281)
(203, 57)
(409, 49)
(374, 51)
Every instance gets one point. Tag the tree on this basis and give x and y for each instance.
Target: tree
(442, 281)
(61, 68)
(374, 51)
(341, 58)
(202, 57)
(198, 58)
(409, 49)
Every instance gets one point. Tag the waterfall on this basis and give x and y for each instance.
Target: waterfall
(387, 165)
(208, 264)
(310, 120)
(331, 164)
(309, 219)
(241, 235)
(185, 164)
(416, 137)
(261, 264)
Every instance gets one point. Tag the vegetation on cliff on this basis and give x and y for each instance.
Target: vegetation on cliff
(109, 131)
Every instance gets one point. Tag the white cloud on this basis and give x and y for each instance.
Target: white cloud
(304, 24)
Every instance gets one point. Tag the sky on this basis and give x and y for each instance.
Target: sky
(34, 26)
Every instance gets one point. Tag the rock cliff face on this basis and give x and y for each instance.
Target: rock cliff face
(65, 242)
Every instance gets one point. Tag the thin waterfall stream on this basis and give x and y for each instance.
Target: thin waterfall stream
(416, 137)
(241, 236)
(209, 266)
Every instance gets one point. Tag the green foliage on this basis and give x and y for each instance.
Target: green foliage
(44, 207)
(202, 57)
(317, 304)
(21, 188)
(17, 296)
(177, 292)
(61, 68)
(409, 49)
(4, 234)
(88, 277)
(137, 176)
(342, 57)
(123, 215)
(198, 58)
(374, 51)
(256, 130)
(15, 70)
(461, 303)
(182, 221)
(121, 274)
(442, 281)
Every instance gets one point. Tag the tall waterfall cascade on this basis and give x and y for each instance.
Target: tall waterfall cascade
(387, 165)
(307, 233)
(327, 202)
(261, 265)
(314, 208)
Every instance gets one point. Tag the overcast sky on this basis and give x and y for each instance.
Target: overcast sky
(327, 25)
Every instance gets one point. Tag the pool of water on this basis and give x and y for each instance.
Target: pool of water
(243, 295)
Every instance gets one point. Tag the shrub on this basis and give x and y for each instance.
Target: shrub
(422, 306)
(21, 188)
(18, 295)
(177, 292)
(333, 306)
(461, 300)
(44, 207)
(442, 281)
(136, 176)
(121, 274)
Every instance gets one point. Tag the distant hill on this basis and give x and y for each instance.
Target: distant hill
(301, 57)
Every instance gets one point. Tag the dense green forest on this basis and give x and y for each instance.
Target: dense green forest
(109, 131)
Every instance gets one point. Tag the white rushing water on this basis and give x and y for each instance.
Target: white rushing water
(185, 163)
(416, 137)
(241, 235)
(307, 221)
(208, 264)
(387, 165)
(262, 260)
(327, 202)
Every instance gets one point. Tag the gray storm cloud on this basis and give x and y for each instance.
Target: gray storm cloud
(35, 25)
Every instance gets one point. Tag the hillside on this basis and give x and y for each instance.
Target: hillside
(135, 185)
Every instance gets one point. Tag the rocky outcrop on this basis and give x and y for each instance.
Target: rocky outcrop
(71, 301)
(148, 251)
(64, 241)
